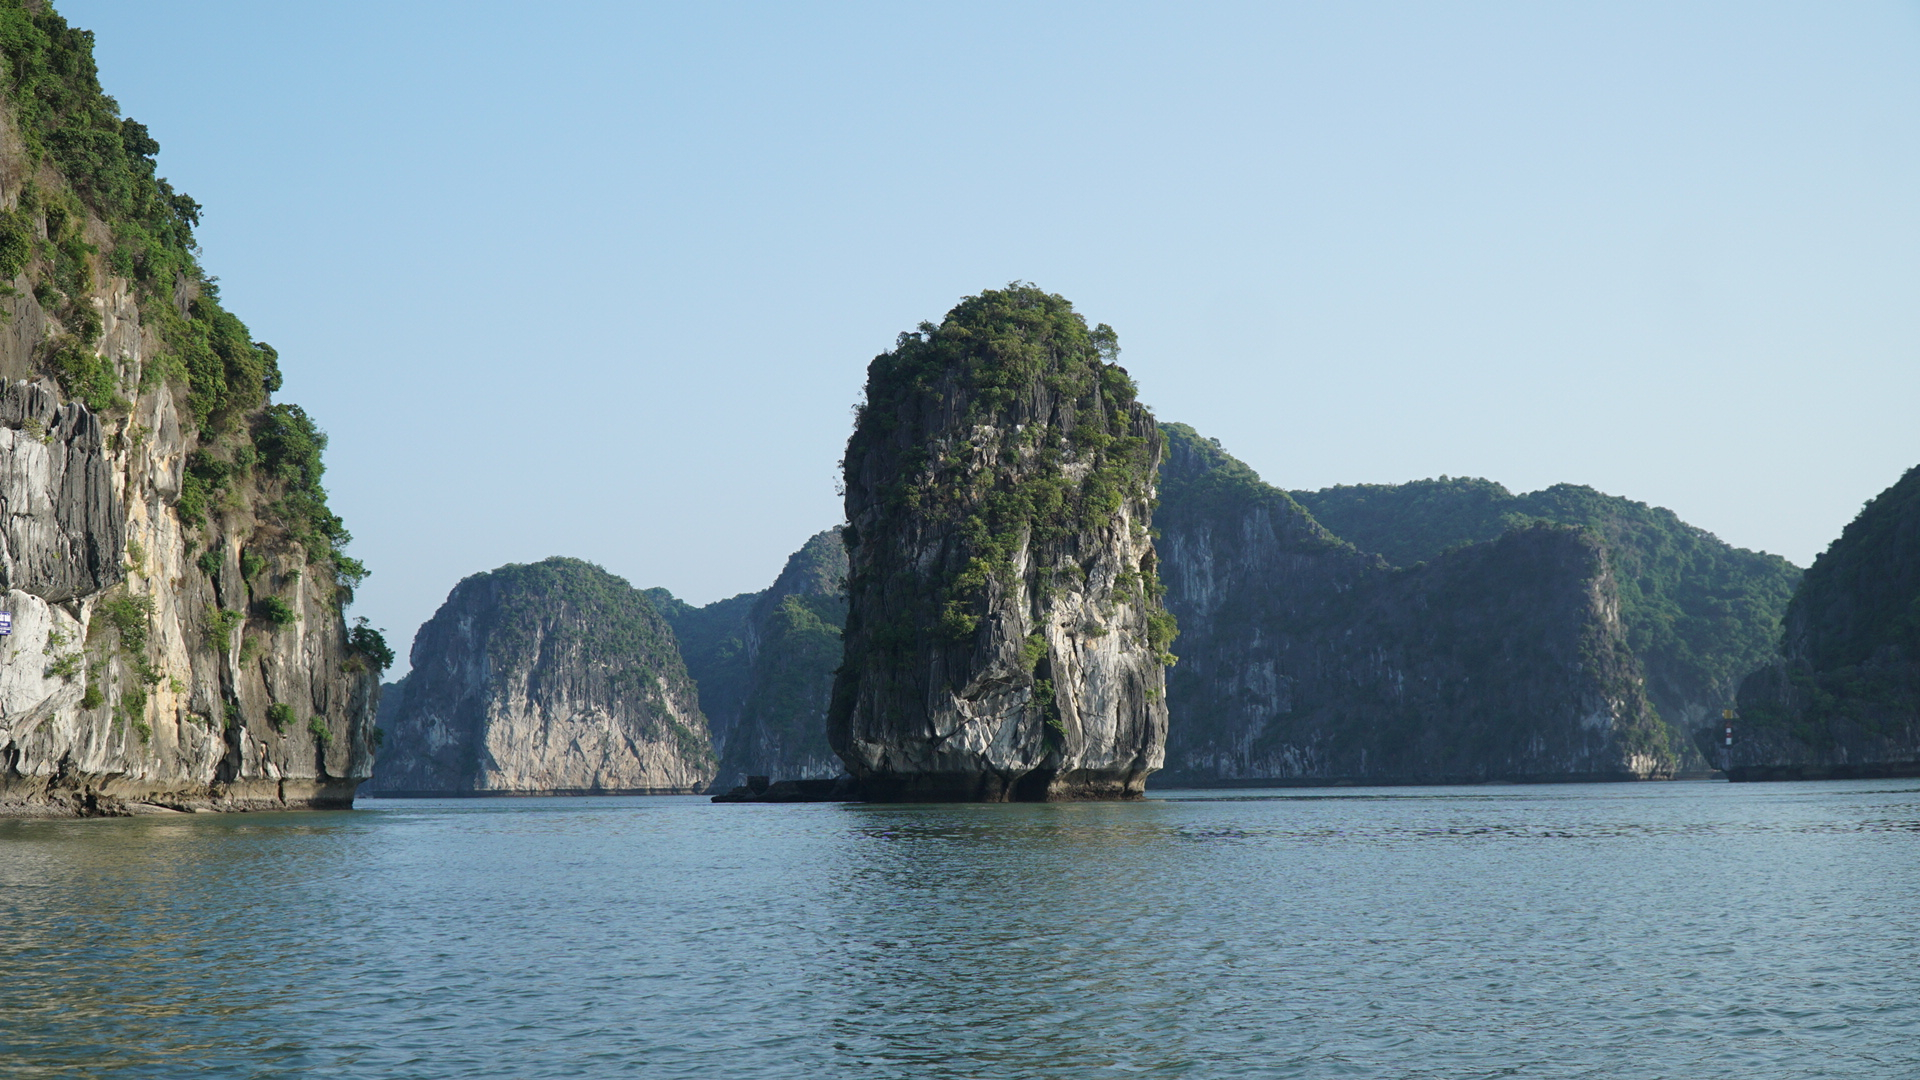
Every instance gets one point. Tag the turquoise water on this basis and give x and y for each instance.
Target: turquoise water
(1653, 930)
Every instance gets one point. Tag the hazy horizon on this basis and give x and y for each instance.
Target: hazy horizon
(602, 280)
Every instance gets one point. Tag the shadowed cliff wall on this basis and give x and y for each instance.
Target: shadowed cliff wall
(1305, 660)
(1843, 698)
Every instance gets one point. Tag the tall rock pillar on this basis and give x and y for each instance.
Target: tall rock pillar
(1005, 638)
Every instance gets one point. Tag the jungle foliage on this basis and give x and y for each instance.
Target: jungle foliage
(112, 213)
(1040, 391)
(1699, 612)
(562, 602)
(1851, 647)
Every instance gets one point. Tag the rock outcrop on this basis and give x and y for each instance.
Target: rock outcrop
(764, 663)
(550, 678)
(168, 561)
(713, 645)
(1004, 638)
(1304, 660)
(63, 527)
(791, 641)
(1842, 700)
(1700, 614)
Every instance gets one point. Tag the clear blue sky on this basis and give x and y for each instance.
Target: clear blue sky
(602, 279)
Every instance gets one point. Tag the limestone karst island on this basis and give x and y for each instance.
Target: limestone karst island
(1040, 593)
(933, 542)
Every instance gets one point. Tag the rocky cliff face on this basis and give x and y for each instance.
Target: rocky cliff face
(713, 644)
(791, 642)
(1004, 637)
(1700, 614)
(166, 554)
(1305, 660)
(1843, 698)
(556, 677)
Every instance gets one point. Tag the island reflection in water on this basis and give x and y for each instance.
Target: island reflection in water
(1693, 930)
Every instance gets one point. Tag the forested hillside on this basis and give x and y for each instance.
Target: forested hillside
(1700, 614)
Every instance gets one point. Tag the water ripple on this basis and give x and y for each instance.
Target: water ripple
(1677, 930)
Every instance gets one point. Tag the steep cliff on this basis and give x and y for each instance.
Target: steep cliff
(713, 645)
(1004, 636)
(1700, 614)
(549, 678)
(1843, 698)
(1305, 660)
(792, 644)
(172, 572)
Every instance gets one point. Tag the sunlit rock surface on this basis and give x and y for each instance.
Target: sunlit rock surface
(1004, 637)
(555, 677)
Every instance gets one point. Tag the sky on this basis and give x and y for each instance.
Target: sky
(602, 279)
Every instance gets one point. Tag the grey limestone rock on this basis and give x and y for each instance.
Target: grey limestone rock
(554, 677)
(61, 524)
(133, 679)
(1004, 638)
(118, 690)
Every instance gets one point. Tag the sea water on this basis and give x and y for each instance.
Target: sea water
(1681, 930)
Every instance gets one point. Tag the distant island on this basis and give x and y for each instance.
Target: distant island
(1441, 631)
(550, 678)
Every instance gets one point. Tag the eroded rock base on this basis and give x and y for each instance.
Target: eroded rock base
(116, 797)
(761, 789)
(1080, 785)
(1871, 770)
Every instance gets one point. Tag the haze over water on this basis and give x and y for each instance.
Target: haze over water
(1685, 930)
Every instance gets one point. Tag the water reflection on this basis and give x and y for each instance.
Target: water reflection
(127, 935)
(1009, 941)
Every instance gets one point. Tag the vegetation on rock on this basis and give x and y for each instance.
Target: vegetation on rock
(1308, 660)
(999, 484)
(370, 644)
(1700, 614)
(1845, 694)
(561, 602)
(99, 166)
(990, 356)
